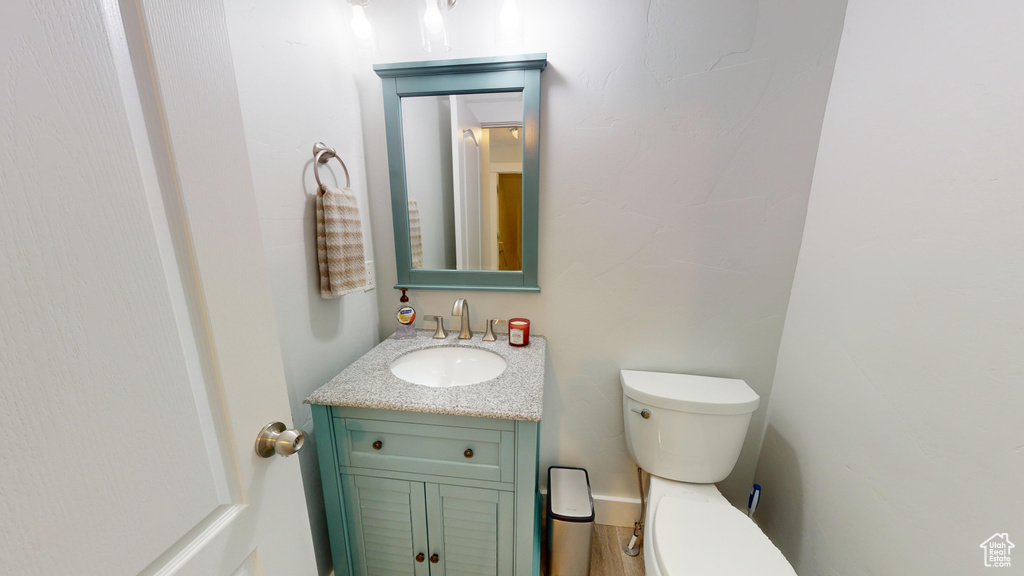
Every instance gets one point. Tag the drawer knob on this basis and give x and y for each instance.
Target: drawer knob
(420, 557)
(434, 558)
(468, 453)
(377, 445)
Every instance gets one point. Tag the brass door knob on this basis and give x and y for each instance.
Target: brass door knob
(468, 453)
(420, 557)
(377, 445)
(434, 558)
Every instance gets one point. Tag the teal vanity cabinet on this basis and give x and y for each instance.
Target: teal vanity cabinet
(432, 481)
(411, 493)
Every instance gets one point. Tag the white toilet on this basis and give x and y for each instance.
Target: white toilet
(686, 432)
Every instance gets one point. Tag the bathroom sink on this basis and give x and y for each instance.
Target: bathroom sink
(448, 366)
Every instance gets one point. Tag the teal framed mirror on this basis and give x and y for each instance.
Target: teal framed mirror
(463, 140)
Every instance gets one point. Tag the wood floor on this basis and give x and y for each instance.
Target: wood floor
(606, 555)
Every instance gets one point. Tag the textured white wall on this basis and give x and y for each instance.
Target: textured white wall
(895, 443)
(678, 141)
(295, 88)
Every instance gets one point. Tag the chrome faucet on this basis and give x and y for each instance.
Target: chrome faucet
(461, 309)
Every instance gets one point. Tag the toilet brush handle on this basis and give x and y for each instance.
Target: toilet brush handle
(755, 497)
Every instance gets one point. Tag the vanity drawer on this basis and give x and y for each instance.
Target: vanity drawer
(476, 453)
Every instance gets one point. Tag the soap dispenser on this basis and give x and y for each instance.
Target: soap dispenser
(406, 315)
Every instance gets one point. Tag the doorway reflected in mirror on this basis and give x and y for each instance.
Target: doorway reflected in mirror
(510, 221)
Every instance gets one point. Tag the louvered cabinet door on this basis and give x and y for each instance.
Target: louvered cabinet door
(471, 530)
(387, 523)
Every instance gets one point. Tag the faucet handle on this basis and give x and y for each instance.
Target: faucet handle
(441, 333)
(489, 335)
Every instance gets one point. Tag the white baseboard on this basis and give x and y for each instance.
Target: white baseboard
(611, 510)
(615, 511)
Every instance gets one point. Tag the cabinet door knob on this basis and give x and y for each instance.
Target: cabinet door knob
(377, 445)
(434, 558)
(420, 557)
(468, 453)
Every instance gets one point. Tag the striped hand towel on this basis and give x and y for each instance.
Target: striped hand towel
(415, 235)
(339, 242)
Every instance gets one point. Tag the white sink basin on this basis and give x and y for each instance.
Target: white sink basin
(447, 366)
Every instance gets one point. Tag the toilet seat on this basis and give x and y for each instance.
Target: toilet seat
(693, 535)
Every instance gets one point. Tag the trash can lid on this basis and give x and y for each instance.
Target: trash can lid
(569, 496)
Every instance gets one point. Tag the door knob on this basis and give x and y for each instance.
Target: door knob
(276, 439)
(420, 557)
(434, 558)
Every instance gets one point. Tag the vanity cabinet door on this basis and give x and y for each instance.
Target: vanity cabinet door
(387, 524)
(471, 530)
(385, 507)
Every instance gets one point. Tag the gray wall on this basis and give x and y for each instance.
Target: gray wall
(291, 97)
(678, 142)
(895, 442)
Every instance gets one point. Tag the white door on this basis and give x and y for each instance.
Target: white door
(138, 351)
(466, 184)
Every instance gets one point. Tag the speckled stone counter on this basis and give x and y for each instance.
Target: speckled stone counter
(515, 395)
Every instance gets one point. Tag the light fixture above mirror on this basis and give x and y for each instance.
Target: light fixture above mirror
(433, 20)
(434, 25)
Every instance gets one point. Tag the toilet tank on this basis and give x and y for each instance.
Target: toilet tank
(683, 427)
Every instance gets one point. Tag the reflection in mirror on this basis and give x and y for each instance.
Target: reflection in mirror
(464, 165)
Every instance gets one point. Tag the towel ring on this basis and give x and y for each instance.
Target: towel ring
(321, 154)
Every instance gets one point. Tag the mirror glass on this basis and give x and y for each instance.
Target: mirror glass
(464, 180)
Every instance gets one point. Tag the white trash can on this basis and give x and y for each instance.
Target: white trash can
(570, 521)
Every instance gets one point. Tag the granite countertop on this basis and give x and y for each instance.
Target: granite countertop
(517, 394)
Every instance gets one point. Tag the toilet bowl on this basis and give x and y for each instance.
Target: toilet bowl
(692, 530)
(686, 432)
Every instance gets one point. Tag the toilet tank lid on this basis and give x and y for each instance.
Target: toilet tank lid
(689, 393)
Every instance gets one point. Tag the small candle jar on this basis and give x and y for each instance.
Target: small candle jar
(518, 332)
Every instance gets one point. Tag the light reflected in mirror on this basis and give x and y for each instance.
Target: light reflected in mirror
(463, 167)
